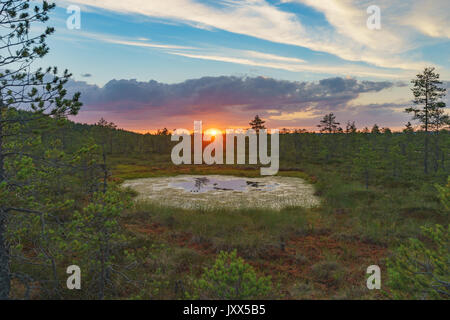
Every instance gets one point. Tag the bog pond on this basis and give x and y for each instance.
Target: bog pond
(229, 192)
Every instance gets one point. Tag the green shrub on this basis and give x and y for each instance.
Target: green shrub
(420, 269)
(330, 273)
(444, 195)
(231, 278)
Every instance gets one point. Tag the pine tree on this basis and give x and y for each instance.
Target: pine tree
(364, 162)
(105, 133)
(444, 195)
(427, 93)
(41, 93)
(420, 268)
(351, 127)
(98, 240)
(162, 132)
(257, 124)
(375, 129)
(439, 119)
(408, 128)
(329, 124)
(397, 160)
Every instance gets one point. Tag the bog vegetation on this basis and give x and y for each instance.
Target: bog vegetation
(385, 201)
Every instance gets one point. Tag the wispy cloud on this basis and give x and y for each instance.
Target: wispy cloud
(110, 38)
(273, 57)
(144, 44)
(288, 64)
(249, 57)
(348, 37)
(430, 17)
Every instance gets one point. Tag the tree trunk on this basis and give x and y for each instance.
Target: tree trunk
(105, 171)
(111, 143)
(101, 292)
(437, 152)
(366, 178)
(425, 158)
(5, 281)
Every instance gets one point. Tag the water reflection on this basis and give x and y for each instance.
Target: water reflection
(203, 184)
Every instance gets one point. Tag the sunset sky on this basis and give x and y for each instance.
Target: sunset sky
(165, 63)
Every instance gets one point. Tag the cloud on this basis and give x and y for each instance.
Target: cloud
(223, 100)
(223, 91)
(250, 58)
(430, 17)
(347, 36)
(144, 44)
(253, 58)
(273, 57)
(86, 75)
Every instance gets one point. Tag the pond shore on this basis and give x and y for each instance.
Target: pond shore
(230, 192)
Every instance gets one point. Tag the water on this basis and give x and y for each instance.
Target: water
(204, 184)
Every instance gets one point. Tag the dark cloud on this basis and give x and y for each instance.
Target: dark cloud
(214, 94)
(86, 75)
(229, 101)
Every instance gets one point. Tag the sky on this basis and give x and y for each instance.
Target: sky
(148, 64)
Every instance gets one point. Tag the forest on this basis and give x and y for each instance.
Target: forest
(385, 201)
(65, 207)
